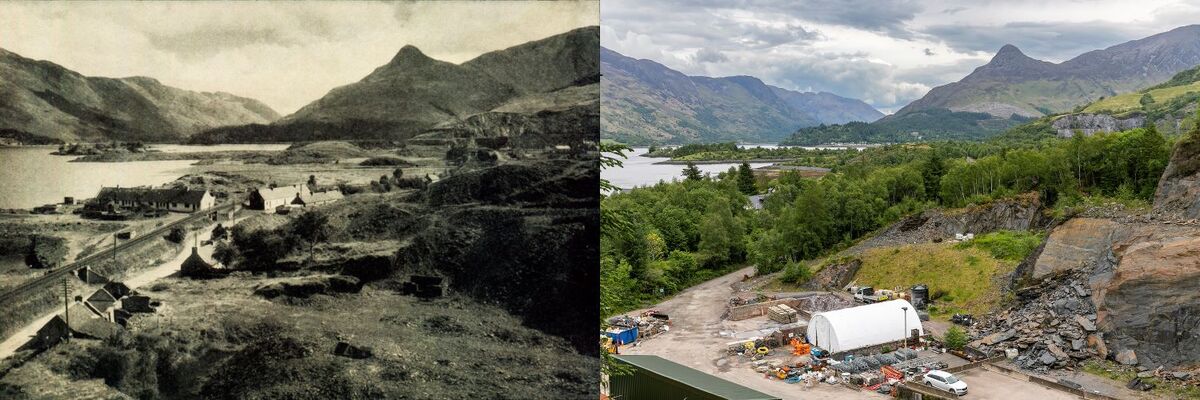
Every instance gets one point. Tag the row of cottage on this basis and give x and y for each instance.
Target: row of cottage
(177, 199)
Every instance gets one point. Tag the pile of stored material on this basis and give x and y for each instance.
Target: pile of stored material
(649, 323)
(781, 313)
(1053, 326)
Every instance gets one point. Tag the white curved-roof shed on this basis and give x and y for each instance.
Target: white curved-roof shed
(863, 326)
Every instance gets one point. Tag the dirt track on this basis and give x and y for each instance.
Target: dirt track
(694, 341)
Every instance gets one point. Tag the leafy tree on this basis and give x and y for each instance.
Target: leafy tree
(956, 338)
(1146, 100)
(691, 172)
(313, 227)
(219, 232)
(656, 247)
(312, 181)
(746, 179)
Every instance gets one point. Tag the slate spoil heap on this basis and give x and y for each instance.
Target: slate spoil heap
(1052, 326)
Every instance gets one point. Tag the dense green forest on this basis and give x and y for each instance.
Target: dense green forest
(731, 151)
(681, 233)
(932, 124)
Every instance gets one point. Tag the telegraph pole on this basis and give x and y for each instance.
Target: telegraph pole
(67, 305)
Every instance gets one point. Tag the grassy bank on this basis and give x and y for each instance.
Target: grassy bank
(961, 279)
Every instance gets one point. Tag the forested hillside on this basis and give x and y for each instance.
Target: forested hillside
(675, 235)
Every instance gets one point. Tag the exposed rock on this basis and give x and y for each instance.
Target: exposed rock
(1095, 342)
(1179, 187)
(1084, 322)
(1089, 124)
(1152, 301)
(309, 285)
(1127, 357)
(1017, 214)
(1077, 243)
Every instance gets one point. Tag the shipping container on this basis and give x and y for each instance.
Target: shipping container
(624, 335)
(656, 378)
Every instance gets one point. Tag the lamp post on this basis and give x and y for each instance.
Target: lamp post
(904, 312)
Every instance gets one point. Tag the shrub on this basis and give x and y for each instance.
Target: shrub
(956, 338)
(797, 273)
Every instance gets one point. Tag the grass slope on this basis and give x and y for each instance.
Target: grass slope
(1131, 101)
(965, 274)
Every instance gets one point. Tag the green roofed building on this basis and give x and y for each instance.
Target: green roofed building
(656, 378)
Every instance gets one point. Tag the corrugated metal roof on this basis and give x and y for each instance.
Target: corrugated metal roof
(694, 378)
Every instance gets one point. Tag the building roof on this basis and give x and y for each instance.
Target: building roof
(286, 193)
(863, 326)
(151, 195)
(101, 295)
(321, 197)
(694, 378)
(194, 262)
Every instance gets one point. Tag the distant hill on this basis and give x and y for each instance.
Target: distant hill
(414, 93)
(1013, 88)
(647, 102)
(41, 101)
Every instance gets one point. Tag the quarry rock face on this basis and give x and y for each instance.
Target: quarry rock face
(1152, 303)
(1017, 214)
(1090, 124)
(1079, 242)
(1178, 191)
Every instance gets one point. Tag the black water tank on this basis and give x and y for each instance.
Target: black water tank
(920, 296)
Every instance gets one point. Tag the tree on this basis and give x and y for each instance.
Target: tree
(1146, 100)
(312, 226)
(397, 174)
(691, 172)
(956, 338)
(745, 179)
(177, 235)
(219, 232)
(312, 180)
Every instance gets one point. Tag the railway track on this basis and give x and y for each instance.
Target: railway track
(53, 275)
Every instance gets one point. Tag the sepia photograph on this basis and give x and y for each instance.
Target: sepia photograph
(914, 199)
(299, 200)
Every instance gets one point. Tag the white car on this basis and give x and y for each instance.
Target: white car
(945, 381)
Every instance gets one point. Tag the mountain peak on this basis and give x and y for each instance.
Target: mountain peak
(1009, 52)
(408, 55)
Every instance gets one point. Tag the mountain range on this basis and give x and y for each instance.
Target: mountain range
(414, 93)
(646, 102)
(1013, 88)
(43, 102)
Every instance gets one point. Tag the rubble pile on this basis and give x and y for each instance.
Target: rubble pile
(1053, 326)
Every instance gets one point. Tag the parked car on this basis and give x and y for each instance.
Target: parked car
(945, 381)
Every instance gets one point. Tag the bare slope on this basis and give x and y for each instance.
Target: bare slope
(43, 99)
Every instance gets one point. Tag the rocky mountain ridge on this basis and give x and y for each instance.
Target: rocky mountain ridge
(646, 102)
(1013, 83)
(414, 93)
(43, 100)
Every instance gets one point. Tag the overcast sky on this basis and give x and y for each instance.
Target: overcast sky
(284, 54)
(885, 52)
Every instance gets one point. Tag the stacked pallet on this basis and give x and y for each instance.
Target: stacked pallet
(782, 313)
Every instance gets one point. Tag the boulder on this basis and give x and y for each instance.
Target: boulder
(1085, 323)
(1057, 351)
(1047, 358)
(1095, 342)
(1127, 357)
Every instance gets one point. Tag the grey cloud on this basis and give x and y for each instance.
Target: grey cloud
(207, 41)
(929, 52)
(707, 55)
(887, 16)
(1048, 41)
